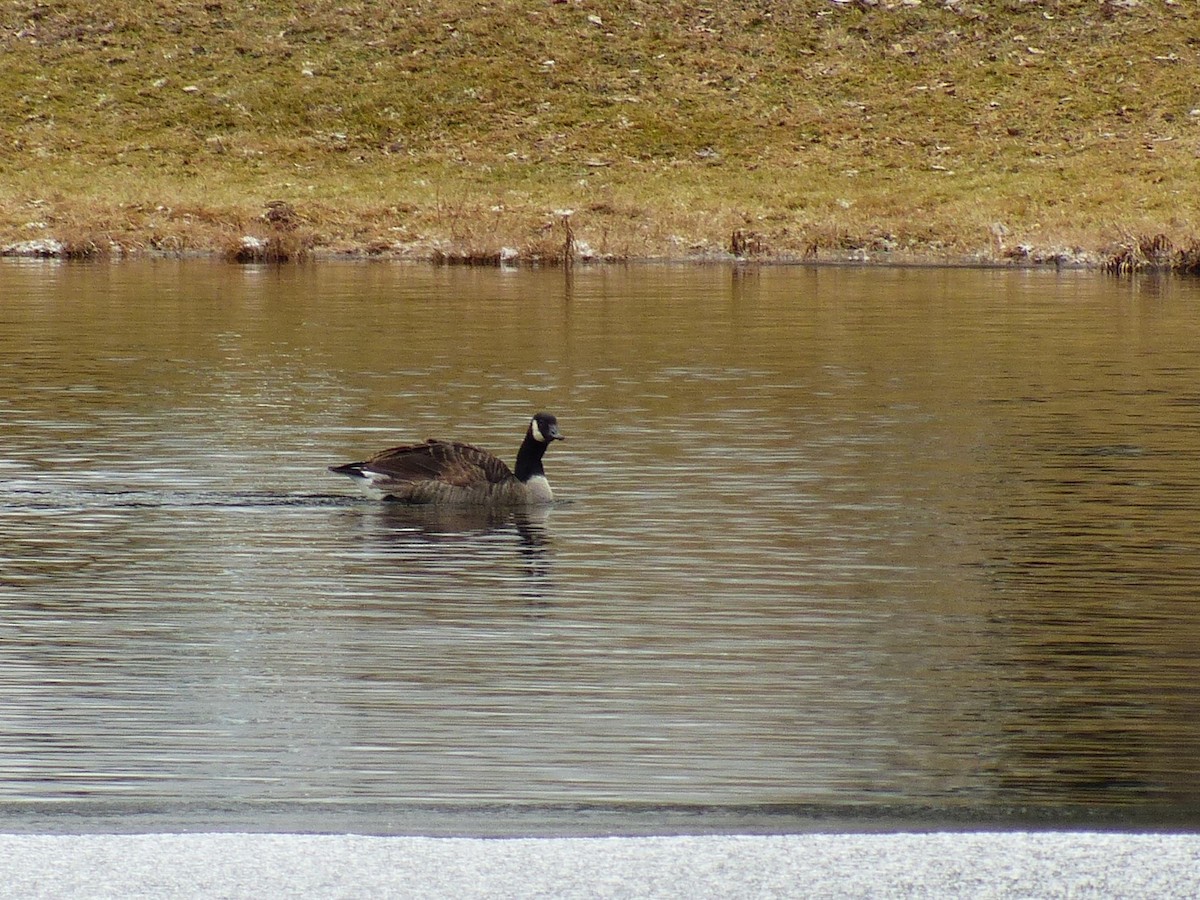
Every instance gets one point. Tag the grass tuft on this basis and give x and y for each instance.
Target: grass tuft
(1153, 254)
(1188, 260)
(277, 247)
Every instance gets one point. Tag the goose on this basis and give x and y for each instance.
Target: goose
(449, 473)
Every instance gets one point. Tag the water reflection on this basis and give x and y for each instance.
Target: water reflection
(514, 546)
(826, 538)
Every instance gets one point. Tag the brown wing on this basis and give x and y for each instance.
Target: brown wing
(448, 462)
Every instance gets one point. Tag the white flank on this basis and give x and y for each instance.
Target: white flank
(368, 483)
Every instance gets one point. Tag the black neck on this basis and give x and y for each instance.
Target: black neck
(529, 457)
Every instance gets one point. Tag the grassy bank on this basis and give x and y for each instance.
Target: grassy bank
(989, 129)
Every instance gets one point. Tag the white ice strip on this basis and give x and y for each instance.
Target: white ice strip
(1077, 865)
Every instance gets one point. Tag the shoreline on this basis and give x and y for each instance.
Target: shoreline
(1129, 259)
(572, 821)
(560, 245)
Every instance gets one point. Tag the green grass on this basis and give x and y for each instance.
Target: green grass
(937, 130)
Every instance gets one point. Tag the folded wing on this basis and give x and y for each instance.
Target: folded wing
(446, 462)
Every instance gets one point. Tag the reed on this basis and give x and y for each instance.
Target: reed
(1153, 253)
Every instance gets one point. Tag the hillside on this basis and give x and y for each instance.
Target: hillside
(894, 129)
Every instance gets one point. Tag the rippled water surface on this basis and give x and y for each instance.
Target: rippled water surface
(825, 538)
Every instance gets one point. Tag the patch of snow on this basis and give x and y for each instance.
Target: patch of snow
(1009, 864)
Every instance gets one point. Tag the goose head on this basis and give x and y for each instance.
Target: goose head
(543, 428)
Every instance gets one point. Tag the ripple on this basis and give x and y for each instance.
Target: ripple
(843, 543)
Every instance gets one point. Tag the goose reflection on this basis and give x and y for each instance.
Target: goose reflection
(465, 540)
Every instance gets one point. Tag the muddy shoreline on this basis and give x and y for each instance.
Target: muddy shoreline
(264, 240)
(1024, 258)
(1146, 255)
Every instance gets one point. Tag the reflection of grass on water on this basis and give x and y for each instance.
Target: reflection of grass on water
(987, 129)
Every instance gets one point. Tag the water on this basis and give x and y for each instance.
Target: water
(827, 540)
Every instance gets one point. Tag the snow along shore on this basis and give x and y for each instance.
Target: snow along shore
(1010, 864)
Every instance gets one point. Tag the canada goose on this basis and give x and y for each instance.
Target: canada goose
(453, 474)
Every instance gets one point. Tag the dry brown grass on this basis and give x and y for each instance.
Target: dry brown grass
(989, 129)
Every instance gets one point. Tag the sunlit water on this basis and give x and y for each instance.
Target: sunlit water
(826, 538)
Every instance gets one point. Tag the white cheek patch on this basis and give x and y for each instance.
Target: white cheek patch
(537, 432)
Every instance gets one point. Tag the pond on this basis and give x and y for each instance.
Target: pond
(876, 545)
